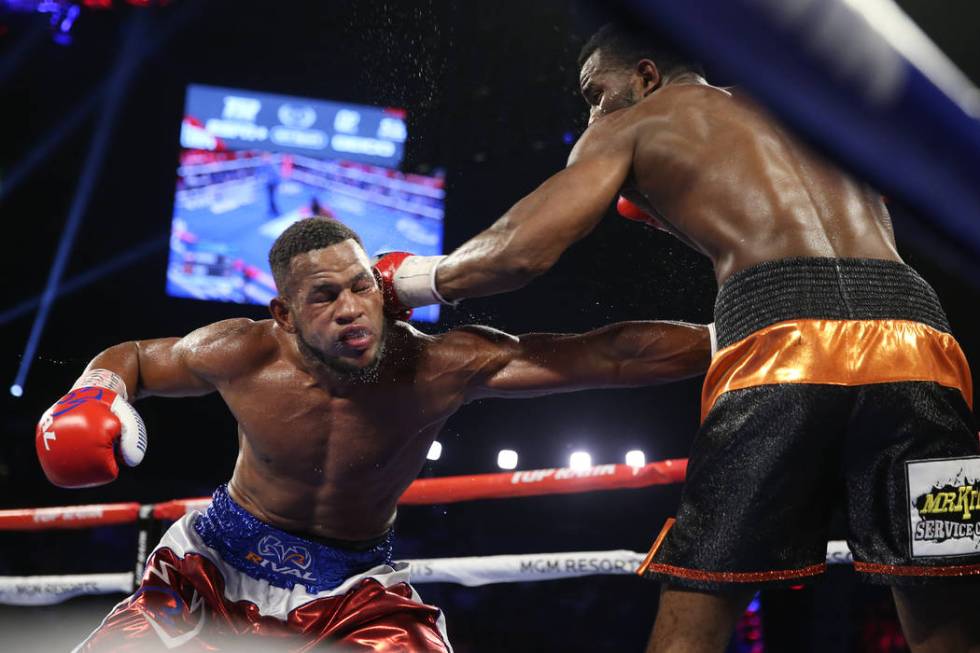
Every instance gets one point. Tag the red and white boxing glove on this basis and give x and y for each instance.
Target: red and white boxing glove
(408, 281)
(631, 211)
(82, 437)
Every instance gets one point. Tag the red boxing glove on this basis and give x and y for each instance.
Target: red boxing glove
(80, 439)
(385, 269)
(631, 211)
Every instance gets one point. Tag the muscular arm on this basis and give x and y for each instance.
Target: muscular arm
(625, 354)
(530, 237)
(177, 367)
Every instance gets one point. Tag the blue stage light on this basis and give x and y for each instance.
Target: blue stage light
(133, 43)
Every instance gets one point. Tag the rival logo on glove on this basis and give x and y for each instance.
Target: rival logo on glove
(48, 435)
(76, 398)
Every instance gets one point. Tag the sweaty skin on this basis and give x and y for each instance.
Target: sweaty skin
(720, 173)
(325, 454)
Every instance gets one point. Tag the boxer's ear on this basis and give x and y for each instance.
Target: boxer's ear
(649, 76)
(281, 313)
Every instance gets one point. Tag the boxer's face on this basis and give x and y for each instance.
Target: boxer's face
(335, 309)
(608, 85)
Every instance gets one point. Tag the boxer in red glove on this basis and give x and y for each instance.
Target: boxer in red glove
(337, 405)
(813, 298)
(81, 438)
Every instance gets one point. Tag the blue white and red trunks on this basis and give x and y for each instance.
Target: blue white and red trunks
(226, 581)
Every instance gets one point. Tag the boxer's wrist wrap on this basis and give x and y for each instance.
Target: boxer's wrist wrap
(435, 290)
(102, 378)
(415, 282)
(713, 335)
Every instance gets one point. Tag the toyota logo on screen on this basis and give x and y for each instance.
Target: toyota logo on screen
(298, 116)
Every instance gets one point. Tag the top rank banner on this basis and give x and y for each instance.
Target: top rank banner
(234, 119)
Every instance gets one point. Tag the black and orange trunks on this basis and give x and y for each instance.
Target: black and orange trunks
(837, 385)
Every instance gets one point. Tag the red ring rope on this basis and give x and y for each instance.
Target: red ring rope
(426, 491)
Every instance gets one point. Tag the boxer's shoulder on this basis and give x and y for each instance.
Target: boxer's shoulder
(477, 334)
(678, 103)
(701, 105)
(451, 361)
(233, 332)
(689, 91)
(228, 348)
(469, 349)
(474, 338)
(613, 134)
(402, 334)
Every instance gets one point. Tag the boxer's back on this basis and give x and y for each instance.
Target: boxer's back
(739, 187)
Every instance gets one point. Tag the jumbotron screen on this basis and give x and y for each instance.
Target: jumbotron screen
(253, 163)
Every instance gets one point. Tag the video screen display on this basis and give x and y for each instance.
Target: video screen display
(252, 163)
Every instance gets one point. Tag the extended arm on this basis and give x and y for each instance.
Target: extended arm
(529, 238)
(178, 367)
(81, 439)
(625, 354)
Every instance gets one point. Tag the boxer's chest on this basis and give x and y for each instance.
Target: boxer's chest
(289, 423)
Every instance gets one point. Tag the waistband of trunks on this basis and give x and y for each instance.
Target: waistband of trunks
(283, 559)
(823, 288)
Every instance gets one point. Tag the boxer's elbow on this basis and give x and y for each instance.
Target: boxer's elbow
(123, 359)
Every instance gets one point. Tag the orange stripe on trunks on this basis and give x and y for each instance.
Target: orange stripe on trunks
(838, 352)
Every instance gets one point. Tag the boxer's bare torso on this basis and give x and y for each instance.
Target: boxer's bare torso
(731, 182)
(333, 459)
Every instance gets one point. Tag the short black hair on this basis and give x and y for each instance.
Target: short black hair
(305, 236)
(625, 45)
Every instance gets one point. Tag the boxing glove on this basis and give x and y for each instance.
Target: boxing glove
(82, 437)
(408, 281)
(631, 211)
(386, 268)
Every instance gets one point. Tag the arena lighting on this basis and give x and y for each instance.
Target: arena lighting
(64, 13)
(55, 6)
(580, 461)
(129, 256)
(18, 172)
(435, 451)
(132, 44)
(62, 22)
(20, 51)
(23, 168)
(507, 459)
(636, 458)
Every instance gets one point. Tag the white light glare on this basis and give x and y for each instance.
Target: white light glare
(580, 461)
(507, 459)
(434, 451)
(635, 458)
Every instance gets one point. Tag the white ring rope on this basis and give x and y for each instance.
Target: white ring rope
(469, 571)
(49, 590)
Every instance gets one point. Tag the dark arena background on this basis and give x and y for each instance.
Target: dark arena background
(93, 130)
